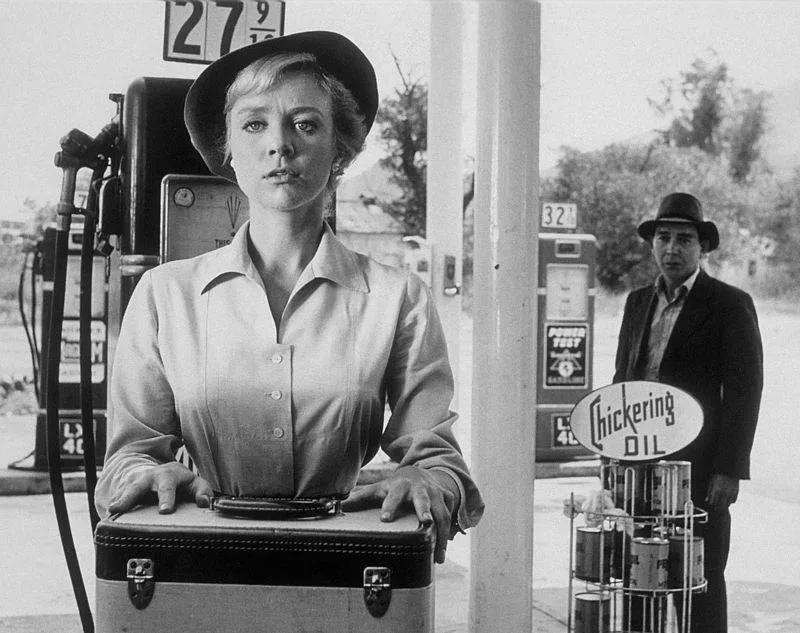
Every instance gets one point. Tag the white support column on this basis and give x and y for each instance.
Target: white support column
(504, 337)
(446, 164)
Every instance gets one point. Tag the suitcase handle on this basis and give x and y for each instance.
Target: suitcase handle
(275, 508)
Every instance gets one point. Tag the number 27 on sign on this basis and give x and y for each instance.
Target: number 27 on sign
(204, 30)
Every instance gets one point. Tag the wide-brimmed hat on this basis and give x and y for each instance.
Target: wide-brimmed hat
(682, 208)
(205, 102)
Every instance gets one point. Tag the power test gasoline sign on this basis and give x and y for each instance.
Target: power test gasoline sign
(565, 355)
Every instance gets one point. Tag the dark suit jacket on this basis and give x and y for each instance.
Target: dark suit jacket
(715, 354)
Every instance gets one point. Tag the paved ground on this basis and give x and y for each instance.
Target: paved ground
(764, 588)
(35, 597)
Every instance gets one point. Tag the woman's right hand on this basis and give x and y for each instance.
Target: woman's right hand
(167, 481)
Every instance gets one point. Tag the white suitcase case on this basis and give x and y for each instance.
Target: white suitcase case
(198, 571)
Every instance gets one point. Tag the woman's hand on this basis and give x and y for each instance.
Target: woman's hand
(166, 481)
(428, 492)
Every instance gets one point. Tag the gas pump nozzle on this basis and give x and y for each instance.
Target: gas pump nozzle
(91, 150)
(79, 150)
(69, 165)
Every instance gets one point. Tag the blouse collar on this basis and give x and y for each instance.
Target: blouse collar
(333, 261)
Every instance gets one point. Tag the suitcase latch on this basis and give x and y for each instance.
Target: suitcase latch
(377, 590)
(141, 581)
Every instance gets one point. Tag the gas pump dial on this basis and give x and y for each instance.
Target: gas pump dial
(567, 291)
(184, 197)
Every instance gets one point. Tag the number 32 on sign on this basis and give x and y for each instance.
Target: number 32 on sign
(559, 215)
(202, 31)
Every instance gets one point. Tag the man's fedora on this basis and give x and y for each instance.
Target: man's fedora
(205, 102)
(681, 208)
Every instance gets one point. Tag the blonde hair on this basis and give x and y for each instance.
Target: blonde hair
(348, 121)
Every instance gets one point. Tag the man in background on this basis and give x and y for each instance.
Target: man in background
(700, 335)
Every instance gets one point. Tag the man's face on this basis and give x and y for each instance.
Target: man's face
(677, 250)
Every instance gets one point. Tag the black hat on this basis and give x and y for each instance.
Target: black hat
(682, 208)
(205, 102)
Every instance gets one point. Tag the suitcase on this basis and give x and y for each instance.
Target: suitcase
(199, 570)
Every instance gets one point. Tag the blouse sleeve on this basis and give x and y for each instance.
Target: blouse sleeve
(420, 389)
(141, 410)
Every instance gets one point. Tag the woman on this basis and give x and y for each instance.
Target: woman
(272, 358)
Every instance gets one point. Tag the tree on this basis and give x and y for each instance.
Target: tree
(703, 91)
(747, 132)
(779, 230)
(619, 186)
(710, 148)
(610, 194)
(403, 121)
(709, 112)
(40, 215)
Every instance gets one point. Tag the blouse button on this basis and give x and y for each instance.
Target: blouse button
(277, 433)
(276, 395)
(276, 358)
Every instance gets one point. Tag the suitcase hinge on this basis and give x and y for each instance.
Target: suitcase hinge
(377, 590)
(141, 581)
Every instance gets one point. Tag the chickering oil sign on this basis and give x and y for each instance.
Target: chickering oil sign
(636, 420)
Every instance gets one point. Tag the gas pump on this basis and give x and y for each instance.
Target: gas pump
(78, 151)
(71, 438)
(145, 141)
(565, 330)
(155, 143)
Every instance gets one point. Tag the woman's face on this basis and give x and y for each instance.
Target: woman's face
(282, 145)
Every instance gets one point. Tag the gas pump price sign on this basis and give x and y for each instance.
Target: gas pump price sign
(559, 215)
(201, 31)
(71, 438)
(562, 432)
(70, 368)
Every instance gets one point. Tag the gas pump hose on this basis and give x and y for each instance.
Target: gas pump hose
(85, 329)
(65, 208)
(77, 150)
(30, 329)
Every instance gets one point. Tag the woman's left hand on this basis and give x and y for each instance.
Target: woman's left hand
(429, 492)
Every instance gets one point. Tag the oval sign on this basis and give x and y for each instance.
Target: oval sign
(636, 420)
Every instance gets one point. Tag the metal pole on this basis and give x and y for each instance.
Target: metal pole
(446, 164)
(504, 343)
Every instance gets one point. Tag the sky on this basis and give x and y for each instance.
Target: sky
(600, 62)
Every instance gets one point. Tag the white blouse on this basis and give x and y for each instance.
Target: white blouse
(290, 413)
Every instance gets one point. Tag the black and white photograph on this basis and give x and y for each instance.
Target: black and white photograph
(420, 316)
